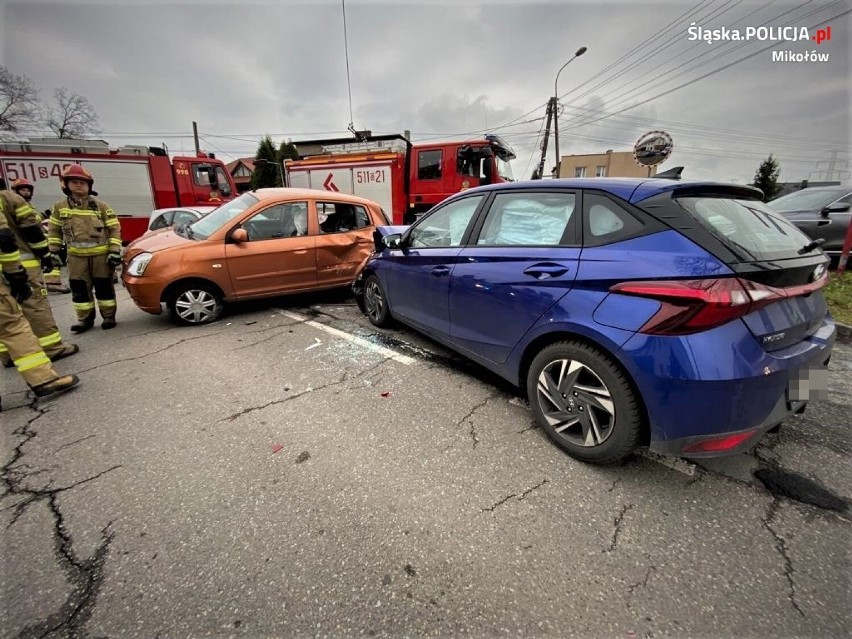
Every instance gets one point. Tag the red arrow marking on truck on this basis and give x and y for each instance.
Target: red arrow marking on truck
(329, 185)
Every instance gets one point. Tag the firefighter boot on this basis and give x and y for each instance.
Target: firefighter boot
(83, 325)
(67, 351)
(56, 386)
(108, 323)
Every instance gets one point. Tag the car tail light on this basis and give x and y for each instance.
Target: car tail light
(718, 444)
(691, 306)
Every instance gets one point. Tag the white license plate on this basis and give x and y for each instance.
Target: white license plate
(808, 384)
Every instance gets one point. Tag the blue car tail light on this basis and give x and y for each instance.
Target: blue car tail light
(691, 306)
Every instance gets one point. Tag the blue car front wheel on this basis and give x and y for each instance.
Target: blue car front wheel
(376, 303)
(584, 402)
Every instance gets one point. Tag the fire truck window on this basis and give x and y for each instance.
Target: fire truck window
(222, 181)
(429, 165)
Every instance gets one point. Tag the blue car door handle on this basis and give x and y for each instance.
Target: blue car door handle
(545, 270)
(440, 271)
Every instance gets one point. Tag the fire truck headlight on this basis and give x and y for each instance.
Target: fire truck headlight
(138, 264)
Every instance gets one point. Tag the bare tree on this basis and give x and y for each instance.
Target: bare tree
(19, 105)
(73, 115)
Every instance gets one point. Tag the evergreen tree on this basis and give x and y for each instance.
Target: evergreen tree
(766, 178)
(266, 174)
(287, 151)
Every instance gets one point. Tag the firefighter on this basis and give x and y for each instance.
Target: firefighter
(92, 234)
(52, 274)
(24, 223)
(15, 333)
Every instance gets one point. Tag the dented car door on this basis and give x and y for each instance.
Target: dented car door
(344, 240)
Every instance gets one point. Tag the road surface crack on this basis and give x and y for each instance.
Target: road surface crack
(619, 519)
(151, 353)
(469, 418)
(84, 575)
(516, 496)
(346, 377)
(781, 547)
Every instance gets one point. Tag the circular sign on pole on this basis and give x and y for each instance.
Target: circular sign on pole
(653, 148)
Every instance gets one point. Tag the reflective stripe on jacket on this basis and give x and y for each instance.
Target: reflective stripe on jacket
(88, 228)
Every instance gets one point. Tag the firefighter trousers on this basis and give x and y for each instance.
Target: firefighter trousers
(18, 338)
(86, 274)
(36, 310)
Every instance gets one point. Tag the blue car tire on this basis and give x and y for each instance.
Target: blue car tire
(584, 402)
(376, 303)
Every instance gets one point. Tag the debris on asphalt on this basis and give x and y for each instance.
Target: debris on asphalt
(386, 393)
(276, 448)
(251, 322)
(303, 457)
(317, 342)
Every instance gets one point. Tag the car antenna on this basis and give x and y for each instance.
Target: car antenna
(671, 174)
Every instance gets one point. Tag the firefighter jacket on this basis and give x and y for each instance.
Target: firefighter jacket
(10, 255)
(88, 227)
(25, 223)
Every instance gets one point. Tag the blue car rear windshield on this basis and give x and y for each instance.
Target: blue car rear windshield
(748, 227)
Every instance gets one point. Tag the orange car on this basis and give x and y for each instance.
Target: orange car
(264, 243)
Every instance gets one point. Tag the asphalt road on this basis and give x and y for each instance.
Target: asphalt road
(270, 476)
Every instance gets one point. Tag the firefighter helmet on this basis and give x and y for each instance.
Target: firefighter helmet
(75, 172)
(22, 183)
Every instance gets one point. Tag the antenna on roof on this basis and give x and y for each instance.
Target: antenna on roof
(671, 174)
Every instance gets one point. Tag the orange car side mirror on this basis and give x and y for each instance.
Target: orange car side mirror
(240, 235)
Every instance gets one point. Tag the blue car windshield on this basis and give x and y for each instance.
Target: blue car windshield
(213, 221)
(748, 227)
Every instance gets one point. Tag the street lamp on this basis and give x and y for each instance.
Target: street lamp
(579, 52)
(264, 162)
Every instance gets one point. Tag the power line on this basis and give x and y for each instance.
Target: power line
(346, 49)
(693, 81)
(645, 58)
(656, 68)
(571, 124)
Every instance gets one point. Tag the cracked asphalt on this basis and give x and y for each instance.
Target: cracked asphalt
(263, 477)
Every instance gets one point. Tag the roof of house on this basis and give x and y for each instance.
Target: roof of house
(233, 166)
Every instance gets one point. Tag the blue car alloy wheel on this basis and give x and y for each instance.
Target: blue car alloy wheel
(584, 402)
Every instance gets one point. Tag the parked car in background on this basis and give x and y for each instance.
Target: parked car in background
(264, 243)
(176, 216)
(821, 212)
(686, 316)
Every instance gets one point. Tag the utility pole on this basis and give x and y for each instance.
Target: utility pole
(556, 135)
(555, 98)
(538, 171)
(195, 135)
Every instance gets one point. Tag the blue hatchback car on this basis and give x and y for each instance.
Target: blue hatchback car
(681, 315)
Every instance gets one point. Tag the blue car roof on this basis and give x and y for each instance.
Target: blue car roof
(629, 189)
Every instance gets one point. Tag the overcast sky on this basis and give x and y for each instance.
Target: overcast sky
(451, 70)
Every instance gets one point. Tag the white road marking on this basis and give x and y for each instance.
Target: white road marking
(360, 341)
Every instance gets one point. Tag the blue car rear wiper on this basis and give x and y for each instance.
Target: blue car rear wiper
(810, 246)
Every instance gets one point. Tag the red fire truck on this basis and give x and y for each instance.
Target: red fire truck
(134, 180)
(405, 179)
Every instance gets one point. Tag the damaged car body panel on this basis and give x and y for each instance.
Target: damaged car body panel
(264, 243)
